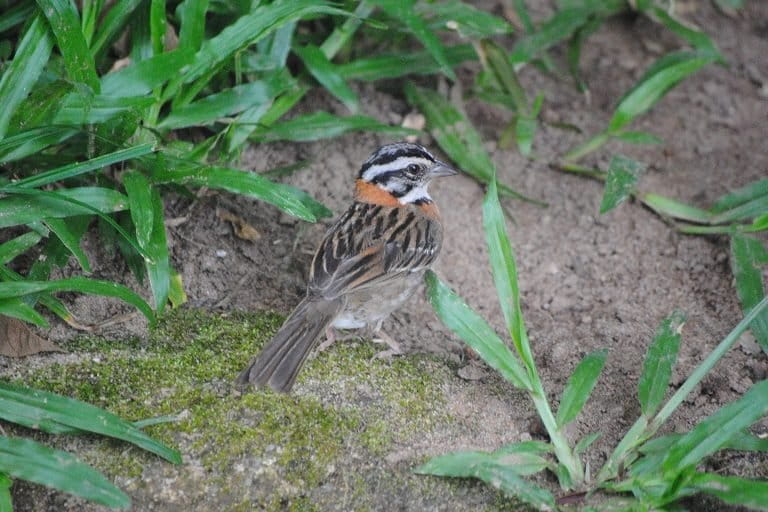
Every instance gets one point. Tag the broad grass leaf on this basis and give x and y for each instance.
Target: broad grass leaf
(469, 21)
(142, 77)
(77, 109)
(747, 255)
(389, 66)
(28, 460)
(637, 137)
(17, 246)
(733, 490)
(226, 102)
(79, 168)
(24, 209)
(664, 74)
(716, 430)
(77, 284)
(40, 107)
(158, 266)
(17, 340)
(16, 308)
(70, 239)
(31, 56)
(668, 207)
(34, 408)
(579, 386)
(475, 331)
(322, 125)
(31, 142)
(114, 21)
(623, 175)
(64, 20)
(139, 192)
(326, 73)
(403, 10)
(285, 197)
(504, 272)
(696, 38)
(658, 363)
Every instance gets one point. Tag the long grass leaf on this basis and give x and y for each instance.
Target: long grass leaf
(287, 198)
(475, 331)
(31, 56)
(18, 245)
(65, 24)
(658, 363)
(733, 490)
(747, 254)
(740, 196)
(696, 38)
(579, 386)
(325, 72)
(403, 10)
(30, 142)
(382, 67)
(141, 77)
(70, 240)
(17, 308)
(139, 192)
(77, 169)
(112, 24)
(654, 84)
(469, 21)
(715, 431)
(28, 460)
(192, 17)
(159, 265)
(322, 125)
(226, 102)
(25, 209)
(668, 207)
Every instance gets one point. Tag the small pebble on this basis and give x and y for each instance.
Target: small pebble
(221, 253)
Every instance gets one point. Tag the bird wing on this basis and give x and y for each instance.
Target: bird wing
(372, 244)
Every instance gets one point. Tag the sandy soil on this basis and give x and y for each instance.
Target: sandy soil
(588, 281)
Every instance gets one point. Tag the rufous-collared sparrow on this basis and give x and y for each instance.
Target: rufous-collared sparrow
(369, 263)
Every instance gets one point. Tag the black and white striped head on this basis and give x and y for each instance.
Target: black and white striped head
(404, 170)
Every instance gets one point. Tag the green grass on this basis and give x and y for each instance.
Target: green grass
(110, 107)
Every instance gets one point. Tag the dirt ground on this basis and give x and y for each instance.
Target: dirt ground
(588, 281)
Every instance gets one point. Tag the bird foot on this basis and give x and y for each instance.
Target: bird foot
(394, 347)
(330, 337)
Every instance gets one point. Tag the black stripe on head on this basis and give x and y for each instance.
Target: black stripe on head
(391, 152)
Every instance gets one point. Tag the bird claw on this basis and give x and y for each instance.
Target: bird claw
(330, 338)
(394, 347)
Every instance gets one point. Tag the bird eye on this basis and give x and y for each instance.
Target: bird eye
(413, 169)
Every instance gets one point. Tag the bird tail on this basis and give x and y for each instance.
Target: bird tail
(279, 362)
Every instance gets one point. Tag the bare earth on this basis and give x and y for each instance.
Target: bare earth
(588, 281)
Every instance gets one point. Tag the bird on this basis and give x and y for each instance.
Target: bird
(370, 261)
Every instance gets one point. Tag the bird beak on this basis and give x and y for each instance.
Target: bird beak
(442, 169)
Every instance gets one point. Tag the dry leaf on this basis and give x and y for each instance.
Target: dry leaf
(16, 340)
(242, 228)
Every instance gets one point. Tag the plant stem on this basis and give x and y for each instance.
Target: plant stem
(642, 430)
(586, 147)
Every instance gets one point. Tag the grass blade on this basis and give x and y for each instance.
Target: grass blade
(580, 385)
(77, 284)
(504, 272)
(637, 137)
(31, 56)
(112, 24)
(714, 432)
(475, 331)
(326, 73)
(19, 245)
(76, 169)
(657, 367)
(623, 174)
(667, 207)
(159, 266)
(505, 478)
(469, 21)
(287, 198)
(740, 196)
(383, 67)
(18, 309)
(404, 11)
(37, 205)
(70, 240)
(747, 254)
(64, 21)
(192, 18)
(558, 28)
(664, 74)
(696, 38)
(30, 142)
(6, 504)
(29, 460)
(139, 192)
(322, 125)
(141, 77)
(31, 407)
(497, 62)
(525, 127)
(733, 490)
(226, 102)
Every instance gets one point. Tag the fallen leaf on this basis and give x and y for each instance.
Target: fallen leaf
(16, 340)
(242, 229)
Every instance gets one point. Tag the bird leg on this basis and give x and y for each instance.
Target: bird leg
(382, 337)
(330, 337)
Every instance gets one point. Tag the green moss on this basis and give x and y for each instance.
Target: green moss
(185, 367)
